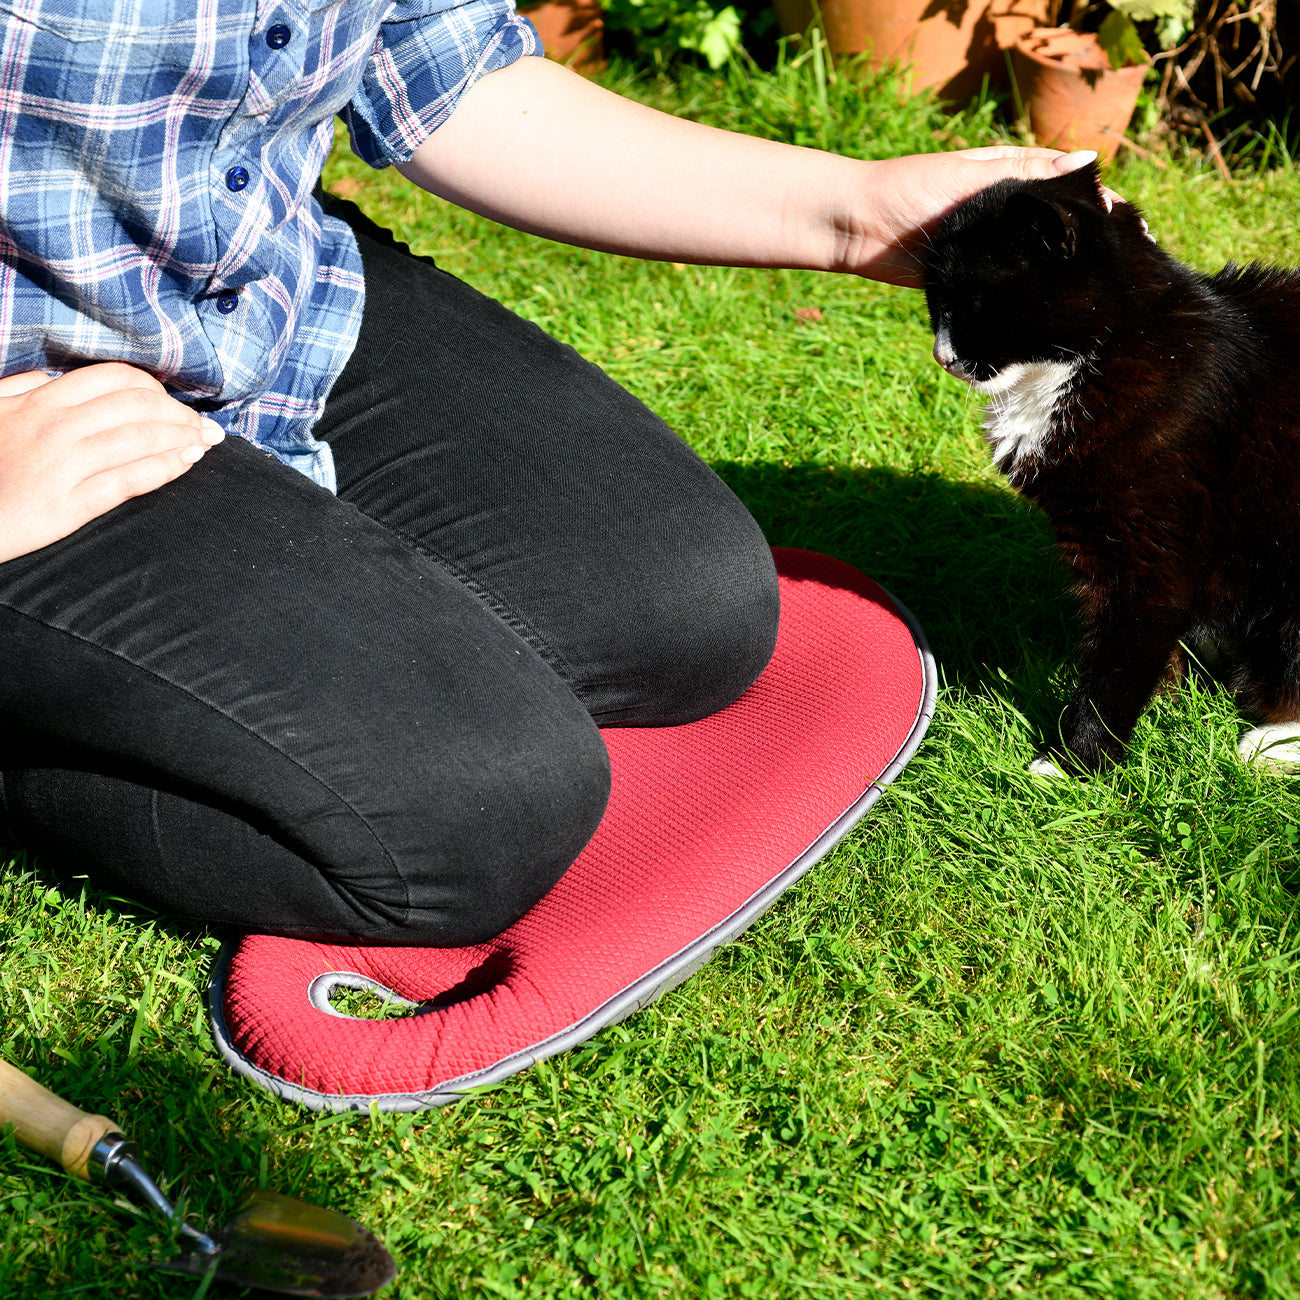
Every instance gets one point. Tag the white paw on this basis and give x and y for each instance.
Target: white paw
(1275, 747)
(1045, 765)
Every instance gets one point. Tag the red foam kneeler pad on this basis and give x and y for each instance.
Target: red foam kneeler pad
(707, 824)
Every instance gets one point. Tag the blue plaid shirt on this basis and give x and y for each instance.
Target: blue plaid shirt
(158, 158)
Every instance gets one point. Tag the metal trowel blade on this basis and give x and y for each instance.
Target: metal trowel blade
(280, 1244)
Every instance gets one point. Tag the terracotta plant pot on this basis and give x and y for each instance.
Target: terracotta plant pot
(571, 30)
(1073, 96)
(950, 45)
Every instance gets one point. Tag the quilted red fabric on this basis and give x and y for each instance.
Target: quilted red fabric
(707, 824)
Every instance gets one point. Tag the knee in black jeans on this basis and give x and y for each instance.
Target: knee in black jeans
(572, 509)
(515, 837)
(335, 740)
(700, 625)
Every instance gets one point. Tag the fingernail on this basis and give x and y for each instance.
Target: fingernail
(192, 453)
(1146, 229)
(212, 432)
(1105, 198)
(1071, 162)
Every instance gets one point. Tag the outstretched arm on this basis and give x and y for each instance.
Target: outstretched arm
(538, 147)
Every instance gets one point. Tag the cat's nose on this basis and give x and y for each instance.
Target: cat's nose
(945, 355)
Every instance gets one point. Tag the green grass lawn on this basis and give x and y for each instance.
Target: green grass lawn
(1011, 1038)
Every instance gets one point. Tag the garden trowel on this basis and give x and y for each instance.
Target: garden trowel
(274, 1242)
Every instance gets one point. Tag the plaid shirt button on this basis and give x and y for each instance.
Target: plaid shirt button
(277, 37)
(227, 303)
(237, 178)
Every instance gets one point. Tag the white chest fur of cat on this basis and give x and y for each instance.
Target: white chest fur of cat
(1023, 410)
(1024, 397)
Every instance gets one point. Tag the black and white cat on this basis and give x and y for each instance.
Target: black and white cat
(1154, 414)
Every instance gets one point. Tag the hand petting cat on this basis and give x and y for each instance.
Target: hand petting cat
(909, 197)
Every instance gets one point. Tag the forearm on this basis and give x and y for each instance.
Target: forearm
(539, 148)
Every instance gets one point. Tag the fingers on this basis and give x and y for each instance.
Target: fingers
(87, 382)
(89, 400)
(1030, 163)
(125, 444)
(45, 419)
(1033, 164)
(1072, 162)
(988, 152)
(102, 492)
(118, 407)
(17, 385)
(1082, 158)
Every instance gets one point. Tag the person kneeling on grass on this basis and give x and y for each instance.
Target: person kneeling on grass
(344, 677)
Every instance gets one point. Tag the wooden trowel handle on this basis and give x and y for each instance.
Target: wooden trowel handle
(49, 1124)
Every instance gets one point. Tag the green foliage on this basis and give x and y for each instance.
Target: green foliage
(1120, 39)
(1119, 36)
(661, 27)
(1012, 1038)
(1173, 18)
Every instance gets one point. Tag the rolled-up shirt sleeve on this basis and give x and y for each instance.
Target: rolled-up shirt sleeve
(427, 55)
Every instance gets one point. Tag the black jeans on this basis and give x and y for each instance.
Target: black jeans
(250, 703)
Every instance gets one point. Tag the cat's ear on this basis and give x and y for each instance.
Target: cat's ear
(1053, 224)
(1084, 184)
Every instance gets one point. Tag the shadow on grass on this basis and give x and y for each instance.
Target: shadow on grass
(974, 563)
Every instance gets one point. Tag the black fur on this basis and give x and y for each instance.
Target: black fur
(1171, 474)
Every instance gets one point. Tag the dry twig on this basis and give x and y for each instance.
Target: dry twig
(1215, 154)
(1121, 138)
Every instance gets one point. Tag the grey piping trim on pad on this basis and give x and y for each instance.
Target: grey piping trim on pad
(639, 994)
